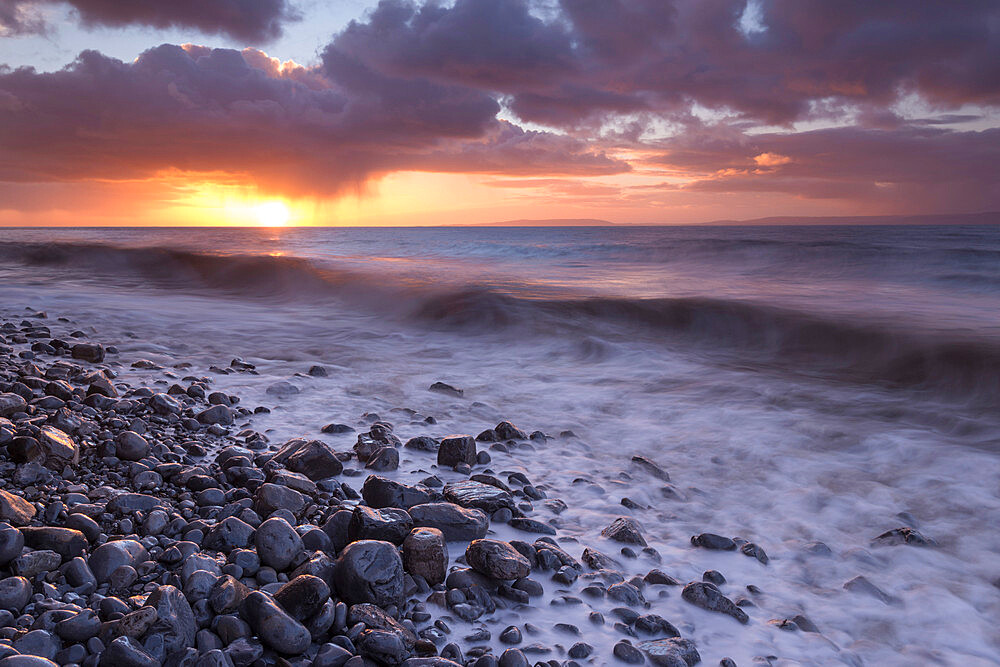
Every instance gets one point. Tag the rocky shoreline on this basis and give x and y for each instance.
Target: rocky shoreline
(144, 526)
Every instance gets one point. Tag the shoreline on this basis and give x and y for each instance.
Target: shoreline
(152, 518)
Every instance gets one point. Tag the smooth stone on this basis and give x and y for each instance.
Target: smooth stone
(457, 449)
(707, 596)
(389, 524)
(277, 543)
(108, 557)
(458, 524)
(175, 621)
(497, 559)
(370, 571)
(626, 530)
(303, 596)
(426, 554)
(275, 627)
(380, 492)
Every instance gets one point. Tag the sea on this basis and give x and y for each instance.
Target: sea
(801, 384)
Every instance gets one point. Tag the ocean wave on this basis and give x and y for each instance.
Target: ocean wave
(755, 334)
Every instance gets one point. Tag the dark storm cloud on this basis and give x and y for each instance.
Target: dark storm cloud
(254, 21)
(291, 129)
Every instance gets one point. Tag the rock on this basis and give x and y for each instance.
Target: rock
(164, 404)
(15, 509)
(175, 622)
(313, 458)
(271, 497)
(217, 414)
(275, 627)
(625, 530)
(707, 596)
(457, 523)
(507, 431)
(672, 652)
(381, 492)
(628, 654)
(11, 542)
(904, 535)
(754, 551)
(370, 571)
(15, 592)
(277, 543)
(33, 563)
(861, 584)
(444, 388)
(92, 352)
(11, 404)
(497, 559)
(531, 526)
(282, 389)
(337, 429)
(80, 627)
(66, 542)
(382, 646)
(599, 561)
(303, 596)
(131, 446)
(332, 655)
(651, 467)
(56, 449)
(108, 557)
(713, 541)
(422, 443)
(227, 594)
(127, 652)
(383, 458)
(425, 554)
(375, 618)
(230, 533)
(389, 524)
(28, 661)
(127, 503)
(478, 495)
(457, 449)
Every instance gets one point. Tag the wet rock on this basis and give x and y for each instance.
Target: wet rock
(313, 458)
(108, 557)
(282, 389)
(625, 530)
(389, 524)
(131, 446)
(66, 542)
(92, 352)
(11, 543)
(270, 498)
(650, 467)
(277, 543)
(33, 563)
(15, 592)
(507, 431)
(444, 388)
(369, 571)
(708, 596)
(381, 492)
(217, 414)
(511, 635)
(457, 449)
(127, 652)
(457, 523)
(332, 655)
(80, 627)
(164, 404)
(230, 533)
(303, 596)
(628, 654)
(754, 551)
(15, 509)
(904, 535)
(227, 594)
(713, 541)
(336, 429)
(175, 621)
(382, 646)
(672, 652)
(383, 459)
(275, 627)
(531, 526)
(11, 404)
(497, 559)
(478, 495)
(53, 449)
(422, 443)
(425, 554)
(861, 584)
(713, 576)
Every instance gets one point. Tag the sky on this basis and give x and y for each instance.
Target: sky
(358, 112)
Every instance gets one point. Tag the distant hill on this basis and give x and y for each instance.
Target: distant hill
(987, 218)
(551, 222)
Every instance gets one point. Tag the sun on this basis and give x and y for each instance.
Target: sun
(272, 214)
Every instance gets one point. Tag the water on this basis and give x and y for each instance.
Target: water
(799, 383)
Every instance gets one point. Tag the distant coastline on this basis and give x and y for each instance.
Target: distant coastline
(984, 218)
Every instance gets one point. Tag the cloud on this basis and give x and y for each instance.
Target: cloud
(282, 126)
(253, 21)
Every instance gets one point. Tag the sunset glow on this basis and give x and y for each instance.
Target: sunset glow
(273, 214)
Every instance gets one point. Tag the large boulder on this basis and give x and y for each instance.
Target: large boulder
(11, 403)
(277, 543)
(272, 497)
(175, 622)
(275, 627)
(457, 523)
(381, 492)
(313, 458)
(15, 509)
(426, 554)
(390, 524)
(370, 571)
(108, 557)
(496, 559)
(478, 495)
(457, 449)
